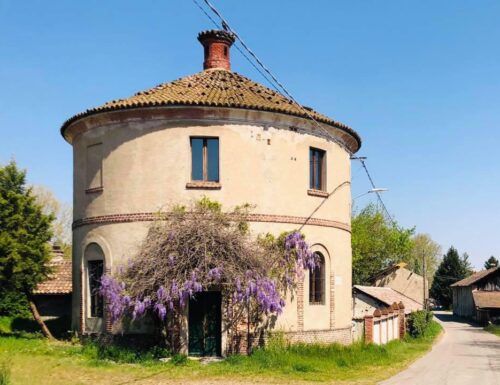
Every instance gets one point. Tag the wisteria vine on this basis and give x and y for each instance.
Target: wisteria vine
(205, 249)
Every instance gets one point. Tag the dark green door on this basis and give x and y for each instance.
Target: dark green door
(205, 324)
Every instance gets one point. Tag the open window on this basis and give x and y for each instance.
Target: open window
(94, 267)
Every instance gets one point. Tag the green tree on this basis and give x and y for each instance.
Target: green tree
(63, 214)
(453, 268)
(424, 248)
(376, 243)
(491, 262)
(24, 235)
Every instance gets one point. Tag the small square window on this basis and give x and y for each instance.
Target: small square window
(317, 169)
(205, 159)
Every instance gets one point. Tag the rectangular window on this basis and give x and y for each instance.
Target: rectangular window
(95, 272)
(205, 159)
(317, 169)
(317, 283)
(94, 166)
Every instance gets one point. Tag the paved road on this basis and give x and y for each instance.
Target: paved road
(466, 355)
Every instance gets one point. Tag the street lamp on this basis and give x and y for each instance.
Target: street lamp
(373, 190)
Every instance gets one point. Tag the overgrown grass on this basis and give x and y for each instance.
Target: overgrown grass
(492, 328)
(63, 362)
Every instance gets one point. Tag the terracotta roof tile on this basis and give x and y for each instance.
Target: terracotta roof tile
(388, 296)
(217, 88)
(487, 299)
(59, 282)
(475, 277)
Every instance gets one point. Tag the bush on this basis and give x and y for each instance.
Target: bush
(418, 323)
(13, 304)
(179, 359)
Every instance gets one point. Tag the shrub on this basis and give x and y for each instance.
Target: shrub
(418, 323)
(179, 359)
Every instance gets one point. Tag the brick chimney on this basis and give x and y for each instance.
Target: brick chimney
(216, 44)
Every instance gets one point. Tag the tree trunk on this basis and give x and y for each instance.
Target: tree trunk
(36, 315)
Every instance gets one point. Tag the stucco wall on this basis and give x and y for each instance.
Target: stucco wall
(264, 161)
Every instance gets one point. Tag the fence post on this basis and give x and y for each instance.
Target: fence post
(368, 329)
(402, 320)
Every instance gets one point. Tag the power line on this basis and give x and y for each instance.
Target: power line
(279, 86)
(273, 79)
(377, 193)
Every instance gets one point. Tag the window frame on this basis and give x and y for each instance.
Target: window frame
(95, 299)
(318, 277)
(314, 153)
(205, 163)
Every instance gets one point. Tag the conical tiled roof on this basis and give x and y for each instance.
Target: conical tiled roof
(213, 88)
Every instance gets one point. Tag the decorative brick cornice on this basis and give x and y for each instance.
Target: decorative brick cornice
(153, 216)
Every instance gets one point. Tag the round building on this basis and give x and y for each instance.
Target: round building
(221, 135)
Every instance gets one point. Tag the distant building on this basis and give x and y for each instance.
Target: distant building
(379, 313)
(404, 281)
(53, 296)
(478, 297)
(366, 299)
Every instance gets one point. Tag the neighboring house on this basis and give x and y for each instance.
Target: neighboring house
(404, 281)
(221, 135)
(53, 296)
(366, 299)
(478, 296)
(377, 308)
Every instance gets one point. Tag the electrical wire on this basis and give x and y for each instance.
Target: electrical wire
(279, 86)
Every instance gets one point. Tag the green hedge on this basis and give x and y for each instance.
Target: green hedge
(418, 323)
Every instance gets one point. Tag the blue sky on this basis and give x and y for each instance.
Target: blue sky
(419, 80)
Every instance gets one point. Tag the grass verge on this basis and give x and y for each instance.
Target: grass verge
(495, 329)
(31, 357)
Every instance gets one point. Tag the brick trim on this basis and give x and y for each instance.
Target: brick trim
(203, 185)
(318, 193)
(94, 190)
(153, 216)
(300, 304)
(82, 304)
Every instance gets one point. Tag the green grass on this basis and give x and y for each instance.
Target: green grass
(31, 357)
(495, 329)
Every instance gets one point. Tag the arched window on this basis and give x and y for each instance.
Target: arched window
(94, 267)
(317, 282)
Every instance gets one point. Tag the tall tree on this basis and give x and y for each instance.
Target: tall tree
(424, 248)
(24, 235)
(377, 243)
(63, 214)
(491, 262)
(453, 268)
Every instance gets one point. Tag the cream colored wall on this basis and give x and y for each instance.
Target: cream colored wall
(147, 163)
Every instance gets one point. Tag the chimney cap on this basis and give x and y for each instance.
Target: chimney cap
(216, 34)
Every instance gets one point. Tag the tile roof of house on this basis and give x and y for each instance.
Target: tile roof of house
(59, 281)
(388, 270)
(388, 296)
(215, 88)
(487, 299)
(475, 277)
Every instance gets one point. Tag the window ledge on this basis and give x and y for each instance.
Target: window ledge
(318, 193)
(203, 185)
(316, 303)
(94, 190)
